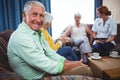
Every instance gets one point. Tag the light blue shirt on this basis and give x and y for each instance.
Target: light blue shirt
(105, 30)
(30, 56)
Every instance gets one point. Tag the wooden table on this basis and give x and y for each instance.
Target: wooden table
(107, 68)
(113, 74)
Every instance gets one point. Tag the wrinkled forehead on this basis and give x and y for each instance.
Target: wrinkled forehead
(37, 8)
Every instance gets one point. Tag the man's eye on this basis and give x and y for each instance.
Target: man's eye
(34, 14)
(41, 15)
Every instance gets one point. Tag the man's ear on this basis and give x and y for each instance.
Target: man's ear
(24, 14)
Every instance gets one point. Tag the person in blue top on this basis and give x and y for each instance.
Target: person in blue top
(104, 31)
(30, 56)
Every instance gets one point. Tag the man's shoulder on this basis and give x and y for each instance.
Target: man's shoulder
(18, 36)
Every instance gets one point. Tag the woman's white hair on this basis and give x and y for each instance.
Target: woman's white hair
(77, 15)
(48, 17)
(29, 4)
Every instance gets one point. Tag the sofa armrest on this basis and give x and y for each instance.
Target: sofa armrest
(8, 75)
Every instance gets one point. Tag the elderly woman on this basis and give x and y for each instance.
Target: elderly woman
(65, 51)
(104, 31)
(78, 32)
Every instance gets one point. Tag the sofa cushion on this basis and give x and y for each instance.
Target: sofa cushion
(70, 77)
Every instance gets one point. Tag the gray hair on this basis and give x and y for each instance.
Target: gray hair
(48, 17)
(77, 15)
(29, 4)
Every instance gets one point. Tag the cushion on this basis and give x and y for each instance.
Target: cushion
(70, 77)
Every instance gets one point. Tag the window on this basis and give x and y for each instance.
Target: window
(63, 13)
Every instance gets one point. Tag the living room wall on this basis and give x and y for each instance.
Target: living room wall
(114, 7)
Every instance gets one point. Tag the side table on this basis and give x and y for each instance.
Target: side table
(103, 67)
(113, 74)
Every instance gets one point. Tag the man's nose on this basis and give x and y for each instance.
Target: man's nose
(39, 19)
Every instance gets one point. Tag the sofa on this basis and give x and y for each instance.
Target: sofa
(6, 73)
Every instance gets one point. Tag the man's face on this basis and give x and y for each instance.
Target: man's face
(34, 18)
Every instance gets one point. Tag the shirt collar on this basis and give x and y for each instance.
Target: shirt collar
(29, 29)
(39, 32)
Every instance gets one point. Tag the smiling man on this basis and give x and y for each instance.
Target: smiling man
(29, 54)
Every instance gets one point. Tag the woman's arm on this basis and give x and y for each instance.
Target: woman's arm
(88, 30)
(94, 36)
(111, 38)
(67, 31)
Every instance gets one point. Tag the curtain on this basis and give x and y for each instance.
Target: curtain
(97, 4)
(11, 13)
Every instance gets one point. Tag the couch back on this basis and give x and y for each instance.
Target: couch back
(117, 39)
(4, 38)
